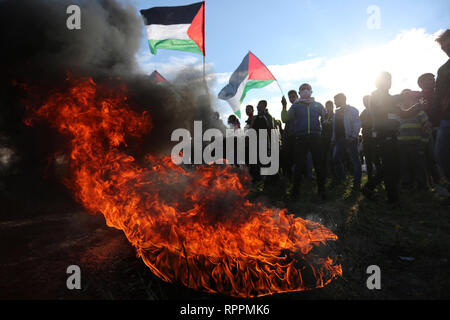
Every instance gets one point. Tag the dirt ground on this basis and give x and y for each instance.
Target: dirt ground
(40, 238)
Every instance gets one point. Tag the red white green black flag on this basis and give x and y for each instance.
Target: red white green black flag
(250, 74)
(176, 28)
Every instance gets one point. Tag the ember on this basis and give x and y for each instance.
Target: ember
(189, 226)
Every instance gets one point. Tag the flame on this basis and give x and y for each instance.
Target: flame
(193, 227)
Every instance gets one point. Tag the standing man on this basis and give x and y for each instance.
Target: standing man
(441, 109)
(413, 138)
(383, 110)
(262, 121)
(288, 143)
(427, 83)
(217, 123)
(249, 111)
(346, 127)
(233, 122)
(304, 118)
(370, 158)
(327, 134)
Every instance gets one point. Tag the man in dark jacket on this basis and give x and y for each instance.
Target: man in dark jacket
(346, 127)
(427, 83)
(441, 108)
(288, 139)
(304, 118)
(262, 121)
(385, 113)
(249, 112)
(327, 134)
(372, 161)
(382, 107)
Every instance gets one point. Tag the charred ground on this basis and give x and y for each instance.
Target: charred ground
(42, 237)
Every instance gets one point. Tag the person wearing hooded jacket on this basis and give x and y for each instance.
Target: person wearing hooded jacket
(304, 119)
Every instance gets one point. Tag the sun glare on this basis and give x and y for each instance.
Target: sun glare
(408, 56)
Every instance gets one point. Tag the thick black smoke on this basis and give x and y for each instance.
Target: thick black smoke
(41, 51)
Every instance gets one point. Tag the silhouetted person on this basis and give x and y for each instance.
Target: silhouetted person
(346, 127)
(288, 138)
(441, 109)
(217, 123)
(385, 113)
(249, 111)
(427, 83)
(327, 134)
(262, 121)
(263, 111)
(370, 156)
(233, 122)
(413, 139)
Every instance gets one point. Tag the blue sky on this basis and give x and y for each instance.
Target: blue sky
(325, 42)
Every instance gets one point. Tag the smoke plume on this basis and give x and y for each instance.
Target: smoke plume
(42, 52)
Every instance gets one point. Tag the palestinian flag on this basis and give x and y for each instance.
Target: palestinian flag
(250, 74)
(157, 77)
(176, 28)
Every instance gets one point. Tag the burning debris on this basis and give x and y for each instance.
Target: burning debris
(168, 213)
(195, 227)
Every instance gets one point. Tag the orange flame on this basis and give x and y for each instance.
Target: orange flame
(193, 227)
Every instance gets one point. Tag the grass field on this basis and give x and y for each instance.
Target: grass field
(411, 245)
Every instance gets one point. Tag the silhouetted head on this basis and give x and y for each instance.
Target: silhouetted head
(366, 100)
(249, 110)
(329, 106)
(444, 41)
(408, 100)
(262, 105)
(340, 100)
(426, 81)
(384, 81)
(233, 120)
(292, 96)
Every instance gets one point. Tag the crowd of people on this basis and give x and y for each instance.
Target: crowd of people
(402, 140)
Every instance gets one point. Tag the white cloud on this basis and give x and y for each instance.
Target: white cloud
(410, 54)
(303, 69)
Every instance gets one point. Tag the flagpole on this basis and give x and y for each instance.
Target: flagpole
(204, 77)
(282, 93)
(204, 44)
